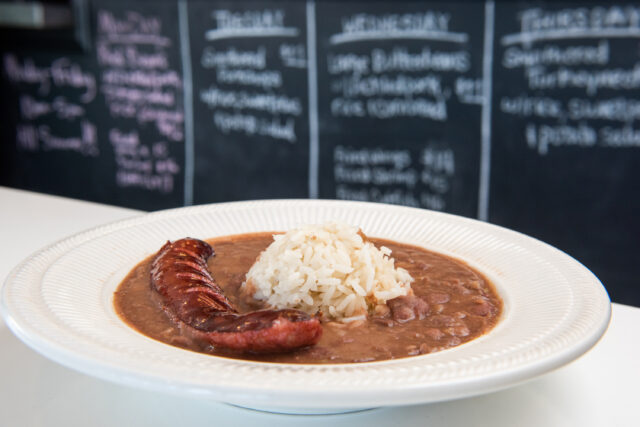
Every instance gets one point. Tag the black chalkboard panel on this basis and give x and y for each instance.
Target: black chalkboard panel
(50, 141)
(250, 106)
(140, 89)
(566, 133)
(396, 81)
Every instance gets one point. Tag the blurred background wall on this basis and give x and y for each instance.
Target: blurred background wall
(523, 114)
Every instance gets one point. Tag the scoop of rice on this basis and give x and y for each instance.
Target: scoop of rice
(328, 268)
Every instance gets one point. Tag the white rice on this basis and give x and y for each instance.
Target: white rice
(326, 268)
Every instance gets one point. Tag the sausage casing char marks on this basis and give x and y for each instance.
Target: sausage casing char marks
(191, 298)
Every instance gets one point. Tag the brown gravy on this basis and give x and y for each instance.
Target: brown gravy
(462, 306)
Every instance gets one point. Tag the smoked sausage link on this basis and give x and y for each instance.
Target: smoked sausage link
(191, 298)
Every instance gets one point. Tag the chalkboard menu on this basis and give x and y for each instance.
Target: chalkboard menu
(250, 107)
(393, 88)
(50, 101)
(140, 86)
(566, 131)
(525, 114)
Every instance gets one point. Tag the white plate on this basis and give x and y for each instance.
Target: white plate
(59, 302)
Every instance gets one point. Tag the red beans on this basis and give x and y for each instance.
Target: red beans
(404, 309)
(438, 298)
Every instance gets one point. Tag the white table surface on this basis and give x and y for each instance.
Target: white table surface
(602, 388)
